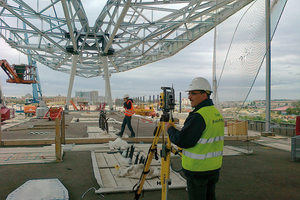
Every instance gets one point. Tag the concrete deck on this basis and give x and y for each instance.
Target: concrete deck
(267, 173)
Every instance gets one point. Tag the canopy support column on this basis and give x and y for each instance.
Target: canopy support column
(71, 80)
(268, 70)
(107, 82)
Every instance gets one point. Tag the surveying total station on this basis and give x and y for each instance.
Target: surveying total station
(167, 104)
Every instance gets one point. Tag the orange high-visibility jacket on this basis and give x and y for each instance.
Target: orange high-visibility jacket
(129, 108)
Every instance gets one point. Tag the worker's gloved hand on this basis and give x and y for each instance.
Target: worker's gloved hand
(170, 124)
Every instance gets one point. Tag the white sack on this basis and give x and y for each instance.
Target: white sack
(118, 143)
(135, 171)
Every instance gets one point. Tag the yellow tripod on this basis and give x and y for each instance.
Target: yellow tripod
(167, 148)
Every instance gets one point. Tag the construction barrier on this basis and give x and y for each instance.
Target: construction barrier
(54, 113)
(237, 127)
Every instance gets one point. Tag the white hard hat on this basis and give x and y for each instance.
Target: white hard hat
(199, 84)
(125, 96)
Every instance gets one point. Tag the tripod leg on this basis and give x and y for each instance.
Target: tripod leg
(165, 169)
(149, 160)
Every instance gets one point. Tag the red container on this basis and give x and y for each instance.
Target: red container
(298, 125)
(5, 114)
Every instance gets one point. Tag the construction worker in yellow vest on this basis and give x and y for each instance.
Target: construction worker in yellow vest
(128, 105)
(202, 140)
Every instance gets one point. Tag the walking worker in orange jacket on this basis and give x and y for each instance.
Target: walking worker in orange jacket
(128, 105)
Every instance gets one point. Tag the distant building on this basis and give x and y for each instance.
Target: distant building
(274, 103)
(281, 109)
(91, 96)
(257, 103)
(56, 100)
(230, 104)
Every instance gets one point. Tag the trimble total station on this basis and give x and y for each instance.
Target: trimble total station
(167, 102)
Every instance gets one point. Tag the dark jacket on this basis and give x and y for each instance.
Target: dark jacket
(192, 130)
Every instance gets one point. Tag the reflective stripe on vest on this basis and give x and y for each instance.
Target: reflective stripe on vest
(211, 140)
(207, 154)
(129, 112)
(202, 156)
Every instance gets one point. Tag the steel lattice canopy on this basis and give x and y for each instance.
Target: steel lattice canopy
(131, 33)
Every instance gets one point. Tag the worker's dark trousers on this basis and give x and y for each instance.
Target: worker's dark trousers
(201, 187)
(127, 120)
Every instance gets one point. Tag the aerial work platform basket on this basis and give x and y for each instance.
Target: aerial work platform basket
(24, 74)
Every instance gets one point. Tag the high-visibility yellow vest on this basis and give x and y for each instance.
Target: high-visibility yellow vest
(207, 154)
(129, 112)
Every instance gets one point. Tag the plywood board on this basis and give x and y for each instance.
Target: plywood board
(96, 132)
(106, 162)
(26, 155)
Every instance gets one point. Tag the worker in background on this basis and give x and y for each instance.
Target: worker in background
(202, 140)
(128, 105)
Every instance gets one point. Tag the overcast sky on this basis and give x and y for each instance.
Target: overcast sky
(179, 70)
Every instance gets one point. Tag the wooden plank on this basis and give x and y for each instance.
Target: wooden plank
(28, 142)
(98, 135)
(110, 159)
(28, 149)
(96, 170)
(63, 128)
(105, 150)
(101, 160)
(113, 190)
(58, 150)
(93, 129)
(121, 160)
(88, 147)
(107, 178)
(30, 157)
(118, 190)
(106, 140)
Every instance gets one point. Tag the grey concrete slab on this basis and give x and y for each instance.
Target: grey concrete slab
(266, 174)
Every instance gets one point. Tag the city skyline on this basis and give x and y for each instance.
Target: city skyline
(178, 70)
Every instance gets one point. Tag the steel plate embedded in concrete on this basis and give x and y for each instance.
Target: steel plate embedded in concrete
(39, 189)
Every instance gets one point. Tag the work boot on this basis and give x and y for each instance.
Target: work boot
(119, 134)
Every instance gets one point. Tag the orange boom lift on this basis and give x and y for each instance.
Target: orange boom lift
(21, 74)
(24, 74)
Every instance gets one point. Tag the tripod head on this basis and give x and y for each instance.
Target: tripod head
(167, 102)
